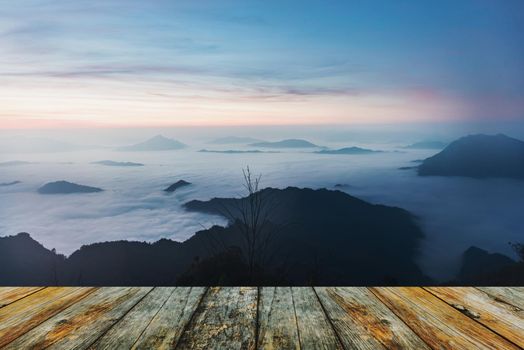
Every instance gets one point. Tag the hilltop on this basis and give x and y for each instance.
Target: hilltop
(479, 156)
(288, 143)
(157, 143)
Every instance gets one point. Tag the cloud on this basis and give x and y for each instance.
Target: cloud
(454, 213)
(125, 210)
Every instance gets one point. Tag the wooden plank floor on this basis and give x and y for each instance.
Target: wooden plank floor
(261, 318)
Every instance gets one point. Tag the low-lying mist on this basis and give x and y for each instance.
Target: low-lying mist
(453, 212)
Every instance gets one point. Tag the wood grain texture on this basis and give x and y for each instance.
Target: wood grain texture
(364, 322)
(165, 329)
(225, 319)
(437, 323)
(315, 330)
(80, 325)
(20, 317)
(506, 320)
(126, 332)
(9, 295)
(277, 323)
(242, 318)
(510, 295)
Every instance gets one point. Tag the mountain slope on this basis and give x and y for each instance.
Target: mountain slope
(289, 143)
(65, 187)
(320, 236)
(479, 156)
(348, 150)
(157, 143)
(427, 145)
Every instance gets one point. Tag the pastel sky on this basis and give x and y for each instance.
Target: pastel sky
(166, 62)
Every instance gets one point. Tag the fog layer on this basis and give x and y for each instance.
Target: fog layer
(453, 212)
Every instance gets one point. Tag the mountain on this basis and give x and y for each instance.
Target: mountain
(319, 237)
(113, 163)
(477, 262)
(176, 185)
(234, 151)
(64, 187)
(480, 267)
(4, 184)
(348, 150)
(479, 156)
(157, 143)
(233, 140)
(24, 261)
(427, 145)
(289, 143)
(326, 236)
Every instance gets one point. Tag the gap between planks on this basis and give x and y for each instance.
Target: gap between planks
(490, 293)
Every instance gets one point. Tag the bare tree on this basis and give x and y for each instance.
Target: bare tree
(251, 216)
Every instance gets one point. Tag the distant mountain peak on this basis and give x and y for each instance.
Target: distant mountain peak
(234, 140)
(427, 145)
(287, 143)
(478, 156)
(177, 185)
(65, 187)
(348, 150)
(156, 143)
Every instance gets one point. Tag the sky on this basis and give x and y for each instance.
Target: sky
(127, 63)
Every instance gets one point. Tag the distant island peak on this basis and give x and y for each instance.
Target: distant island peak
(287, 143)
(65, 187)
(156, 143)
(479, 156)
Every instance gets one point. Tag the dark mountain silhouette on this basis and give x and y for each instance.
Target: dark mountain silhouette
(348, 150)
(479, 156)
(289, 143)
(64, 187)
(321, 236)
(113, 163)
(332, 232)
(427, 145)
(233, 151)
(176, 185)
(231, 140)
(342, 185)
(4, 184)
(407, 167)
(480, 267)
(24, 261)
(157, 143)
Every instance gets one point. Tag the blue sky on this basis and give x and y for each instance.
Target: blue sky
(259, 62)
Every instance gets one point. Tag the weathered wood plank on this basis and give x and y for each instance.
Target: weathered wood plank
(80, 325)
(277, 322)
(364, 322)
(504, 319)
(314, 328)
(167, 326)
(9, 295)
(18, 318)
(510, 295)
(126, 332)
(225, 319)
(437, 323)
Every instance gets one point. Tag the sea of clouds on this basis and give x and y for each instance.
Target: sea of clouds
(454, 213)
